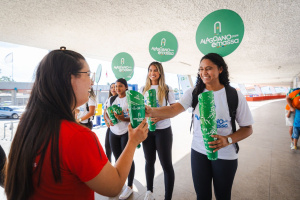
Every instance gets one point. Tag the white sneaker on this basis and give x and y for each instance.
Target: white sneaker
(294, 148)
(126, 193)
(149, 196)
(292, 144)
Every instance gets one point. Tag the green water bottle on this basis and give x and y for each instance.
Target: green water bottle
(151, 101)
(208, 121)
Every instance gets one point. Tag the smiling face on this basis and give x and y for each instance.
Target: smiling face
(120, 89)
(209, 72)
(81, 84)
(153, 74)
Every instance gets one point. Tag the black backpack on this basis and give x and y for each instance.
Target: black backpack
(232, 101)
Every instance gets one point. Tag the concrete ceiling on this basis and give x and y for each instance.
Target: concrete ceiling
(268, 54)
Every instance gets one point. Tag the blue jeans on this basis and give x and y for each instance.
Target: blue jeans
(296, 132)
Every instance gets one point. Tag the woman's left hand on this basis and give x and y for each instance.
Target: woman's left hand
(219, 143)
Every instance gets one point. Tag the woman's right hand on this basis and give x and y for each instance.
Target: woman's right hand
(148, 111)
(138, 134)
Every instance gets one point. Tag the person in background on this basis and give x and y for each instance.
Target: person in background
(161, 139)
(112, 92)
(118, 136)
(87, 110)
(52, 156)
(213, 76)
(2, 164)
(290, 111)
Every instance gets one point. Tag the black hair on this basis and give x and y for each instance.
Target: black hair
(223, 76)
(110, 94)
(123, 81)
(52, 100)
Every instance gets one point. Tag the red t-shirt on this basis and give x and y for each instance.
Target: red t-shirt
(81, 159)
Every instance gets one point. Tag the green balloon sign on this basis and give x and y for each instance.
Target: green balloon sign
(122, 66)
(163, 46)
(220, 32)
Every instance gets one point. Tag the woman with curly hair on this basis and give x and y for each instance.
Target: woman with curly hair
(212, 76)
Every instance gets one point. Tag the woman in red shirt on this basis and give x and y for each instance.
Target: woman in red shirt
(52, 156)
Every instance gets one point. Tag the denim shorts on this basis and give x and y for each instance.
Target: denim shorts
(296, 132)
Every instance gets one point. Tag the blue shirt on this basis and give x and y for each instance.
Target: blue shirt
(297, 118)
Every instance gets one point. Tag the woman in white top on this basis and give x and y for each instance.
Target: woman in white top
(213, 75)
(118, 136)
(87, 110)
(161, 139)
(112, 92)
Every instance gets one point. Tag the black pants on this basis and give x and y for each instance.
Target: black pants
(88, 125)
(160, 140)
(118, 144)
(222, 173)
(107, 145)
(2, 163)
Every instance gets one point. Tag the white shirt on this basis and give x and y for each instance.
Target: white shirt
(224, 128)
(121, 127)
(171, 99)
(83, 111)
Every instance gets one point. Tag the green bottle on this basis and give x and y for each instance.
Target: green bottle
(151, 101)
(110, 112)
(208, 121)
(136, 108)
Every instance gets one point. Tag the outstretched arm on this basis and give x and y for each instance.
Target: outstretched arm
(111, 179)
(165, 111)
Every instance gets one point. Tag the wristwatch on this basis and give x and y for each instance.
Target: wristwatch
(229, 140)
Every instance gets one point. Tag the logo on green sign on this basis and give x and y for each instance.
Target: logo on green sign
(220, 32)
(122, 66)
(163, 46)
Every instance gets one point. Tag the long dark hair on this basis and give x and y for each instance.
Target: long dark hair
(223, 76)
(110, 94)
(50, 102)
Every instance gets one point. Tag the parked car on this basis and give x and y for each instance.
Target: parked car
(13, 112)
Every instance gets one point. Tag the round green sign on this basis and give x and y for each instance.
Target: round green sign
(163, 46)
(122, 66)
(220, 32)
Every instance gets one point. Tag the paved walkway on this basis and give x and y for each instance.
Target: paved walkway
(268, 169)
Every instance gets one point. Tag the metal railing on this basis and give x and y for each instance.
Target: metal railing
(10, 126)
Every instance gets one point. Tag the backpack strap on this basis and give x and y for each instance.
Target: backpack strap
(232, 101)
(88, 109)
(112, 99)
